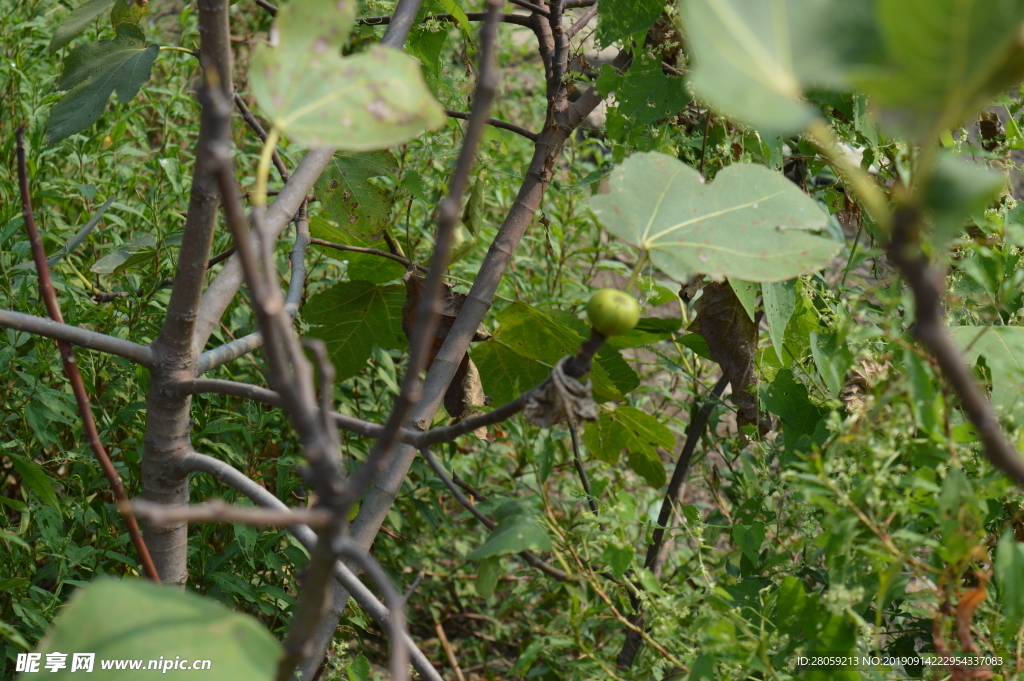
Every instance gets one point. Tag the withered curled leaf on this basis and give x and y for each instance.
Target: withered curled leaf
(732, 342)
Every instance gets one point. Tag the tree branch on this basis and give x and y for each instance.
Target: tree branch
(928, 287)
(371, 251)
(532, 136)
(517, 19)
(654, 561)
(216, 511)
(49, 296)
(250, 119)
(83, 338)
(225, 473)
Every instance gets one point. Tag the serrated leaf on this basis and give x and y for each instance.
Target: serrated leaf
(136, 619)
(35, 478)
(1003, 350)
(645, 462)
(751, 222)
(73, 24)
(779, 304)
(370, 100)
(749, 538)
(605, 438)
(347, 196)
(92, 72)
(617, 19)
(647, 94)
(359, 669)
(648, 330)
(513, 534)
(353, 316)
(754, 59)
(787, 398)
(645, 427)
(527, 344)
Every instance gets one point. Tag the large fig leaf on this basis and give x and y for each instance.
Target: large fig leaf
(370, 100)
(348, 198)
(945, 59)
(756, 58)
(1003, 350)
(618, 19)
(92, 72)
(76, 22)
(352, 317)
(750, 223)
(134, 619)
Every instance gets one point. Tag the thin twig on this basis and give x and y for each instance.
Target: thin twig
(532, 136)
(536, 9)
(370, 251)
(201, 463)
(216, 511)
(49, 296)
(581, 23)
(449, 653)
(517, 19)
(250, 119)
(528, 556)
(271, 9)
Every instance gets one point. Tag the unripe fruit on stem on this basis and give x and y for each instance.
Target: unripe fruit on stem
(613, 312)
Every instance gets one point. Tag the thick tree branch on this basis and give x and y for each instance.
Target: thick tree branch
(49, 297)
(77, 336)
(167, 436)
(216, 511)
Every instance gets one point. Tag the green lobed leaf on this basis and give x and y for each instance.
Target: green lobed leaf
(1003, 350)
(755, 59)
(750, 222)
(945, 59)
(618, 559)
(77, 21)
(647, 94)
(527, 344)
(347, 196)
(353, 316)
(606, 437)
(958, 188)
(92, 72)
(134, 619)
(370, 100)
(618, 19)
(513, 534)
(635, 430)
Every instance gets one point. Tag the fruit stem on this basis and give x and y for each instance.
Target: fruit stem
(641, 261)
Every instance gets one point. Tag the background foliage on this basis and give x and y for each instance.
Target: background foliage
(861, 521)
